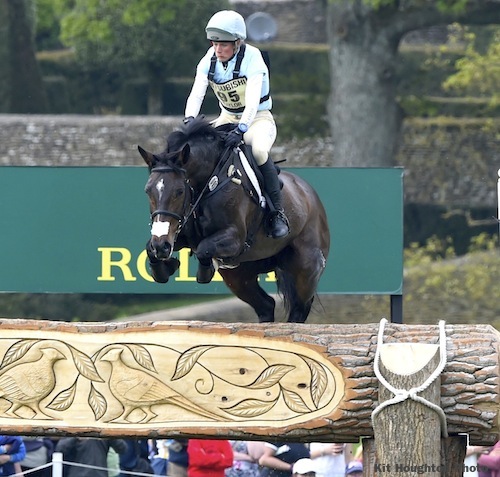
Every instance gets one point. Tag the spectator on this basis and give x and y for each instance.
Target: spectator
(471, 456)
(89, 452)
(304, 467)
(209, 458)
(245, 462)
(354, 469)
(178, 458)
(136, 457)
(278, 458)
(38, 453)
(489, 462)
(329, 459)
(12, 451)
(158, 451)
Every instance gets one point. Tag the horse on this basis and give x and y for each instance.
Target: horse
(202, 197)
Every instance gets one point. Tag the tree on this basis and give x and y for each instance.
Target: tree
(364, 37)
(478, 71)
(153, 37)
(23, 90)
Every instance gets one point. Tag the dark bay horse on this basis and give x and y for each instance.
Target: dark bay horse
(201, 198)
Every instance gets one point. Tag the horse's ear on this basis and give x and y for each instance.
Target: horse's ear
(149, 158)
(183, 156)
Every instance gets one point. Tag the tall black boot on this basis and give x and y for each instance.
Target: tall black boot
(278, 222)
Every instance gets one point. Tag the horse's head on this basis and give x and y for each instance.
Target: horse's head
(169, 198)
(175, 175)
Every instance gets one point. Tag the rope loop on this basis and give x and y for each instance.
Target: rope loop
(401, 395)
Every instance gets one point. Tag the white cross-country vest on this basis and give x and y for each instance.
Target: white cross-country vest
(231, 93)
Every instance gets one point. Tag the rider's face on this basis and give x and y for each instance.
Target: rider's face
(224, 50)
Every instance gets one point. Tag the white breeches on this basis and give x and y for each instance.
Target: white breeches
(260, 135)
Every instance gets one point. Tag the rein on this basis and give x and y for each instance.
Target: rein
(182, 219)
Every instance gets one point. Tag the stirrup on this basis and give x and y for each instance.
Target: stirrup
(278, 224)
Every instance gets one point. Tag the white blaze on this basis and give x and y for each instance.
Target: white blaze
(159, 187)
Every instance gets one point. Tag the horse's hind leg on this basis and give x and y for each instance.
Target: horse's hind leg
(298, 280)
(242, 281)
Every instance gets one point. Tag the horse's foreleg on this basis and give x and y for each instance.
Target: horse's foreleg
(242, 281)
(224, 244)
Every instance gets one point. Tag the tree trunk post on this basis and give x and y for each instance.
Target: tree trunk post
(409, 421)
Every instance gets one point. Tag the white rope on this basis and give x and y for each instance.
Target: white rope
(95, 467)
(30, 471)
(401, 395)
(76, 464)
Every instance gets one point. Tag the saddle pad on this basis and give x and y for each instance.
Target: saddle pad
(253, 178)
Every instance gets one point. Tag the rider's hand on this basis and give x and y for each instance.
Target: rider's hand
(188, 120)
(233, 138)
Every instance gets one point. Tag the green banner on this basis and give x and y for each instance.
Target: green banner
(83, 230)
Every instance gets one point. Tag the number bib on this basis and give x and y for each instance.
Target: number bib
(231, 94)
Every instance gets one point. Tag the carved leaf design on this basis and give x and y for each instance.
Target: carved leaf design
(85, 366)
(142, 356)
(187, 360)
(271, 376)
(319, 380)
(295, 402)
(64, 399)
(97, 402)
(250, 408)
(17, 351)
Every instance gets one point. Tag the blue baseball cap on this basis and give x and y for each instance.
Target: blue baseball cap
(353, 466)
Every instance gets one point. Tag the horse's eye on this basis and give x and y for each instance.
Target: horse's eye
(179, 192)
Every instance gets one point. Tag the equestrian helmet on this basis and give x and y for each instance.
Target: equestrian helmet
(226, 25)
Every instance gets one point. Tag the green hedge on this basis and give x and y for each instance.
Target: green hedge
(299, 79)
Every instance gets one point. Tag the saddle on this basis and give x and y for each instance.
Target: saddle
(239, 166)
(249, 159)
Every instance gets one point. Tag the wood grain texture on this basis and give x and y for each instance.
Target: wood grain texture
(236, 380)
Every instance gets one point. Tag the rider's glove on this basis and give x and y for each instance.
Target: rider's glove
(233, 138)
(188, 120)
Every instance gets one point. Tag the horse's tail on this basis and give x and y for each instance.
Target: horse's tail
(295, 308)
(286, 288)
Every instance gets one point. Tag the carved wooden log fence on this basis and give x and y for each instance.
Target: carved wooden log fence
(238, 381)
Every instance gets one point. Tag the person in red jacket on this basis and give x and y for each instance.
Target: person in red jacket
(209, 457)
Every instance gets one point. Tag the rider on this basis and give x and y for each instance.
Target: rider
(239, 77)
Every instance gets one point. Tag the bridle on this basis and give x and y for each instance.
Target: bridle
(182, 219)
(189, 192)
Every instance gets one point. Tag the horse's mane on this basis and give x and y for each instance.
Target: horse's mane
(199, 129)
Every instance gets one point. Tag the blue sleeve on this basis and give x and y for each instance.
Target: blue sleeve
(19, 454)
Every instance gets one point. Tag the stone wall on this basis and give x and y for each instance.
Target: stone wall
(451, 163)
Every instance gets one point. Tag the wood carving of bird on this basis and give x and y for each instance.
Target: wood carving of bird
(27, 383)
(138, 389)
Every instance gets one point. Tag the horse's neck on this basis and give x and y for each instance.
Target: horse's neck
(200, 175)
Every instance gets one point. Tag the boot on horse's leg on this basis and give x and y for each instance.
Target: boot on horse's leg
(205, 271)
(278, 222)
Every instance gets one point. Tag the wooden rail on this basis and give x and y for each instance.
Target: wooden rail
(238, 381)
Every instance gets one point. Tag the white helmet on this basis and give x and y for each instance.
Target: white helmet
(226, 25)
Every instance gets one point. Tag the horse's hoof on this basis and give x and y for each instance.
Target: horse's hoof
(205, 273)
